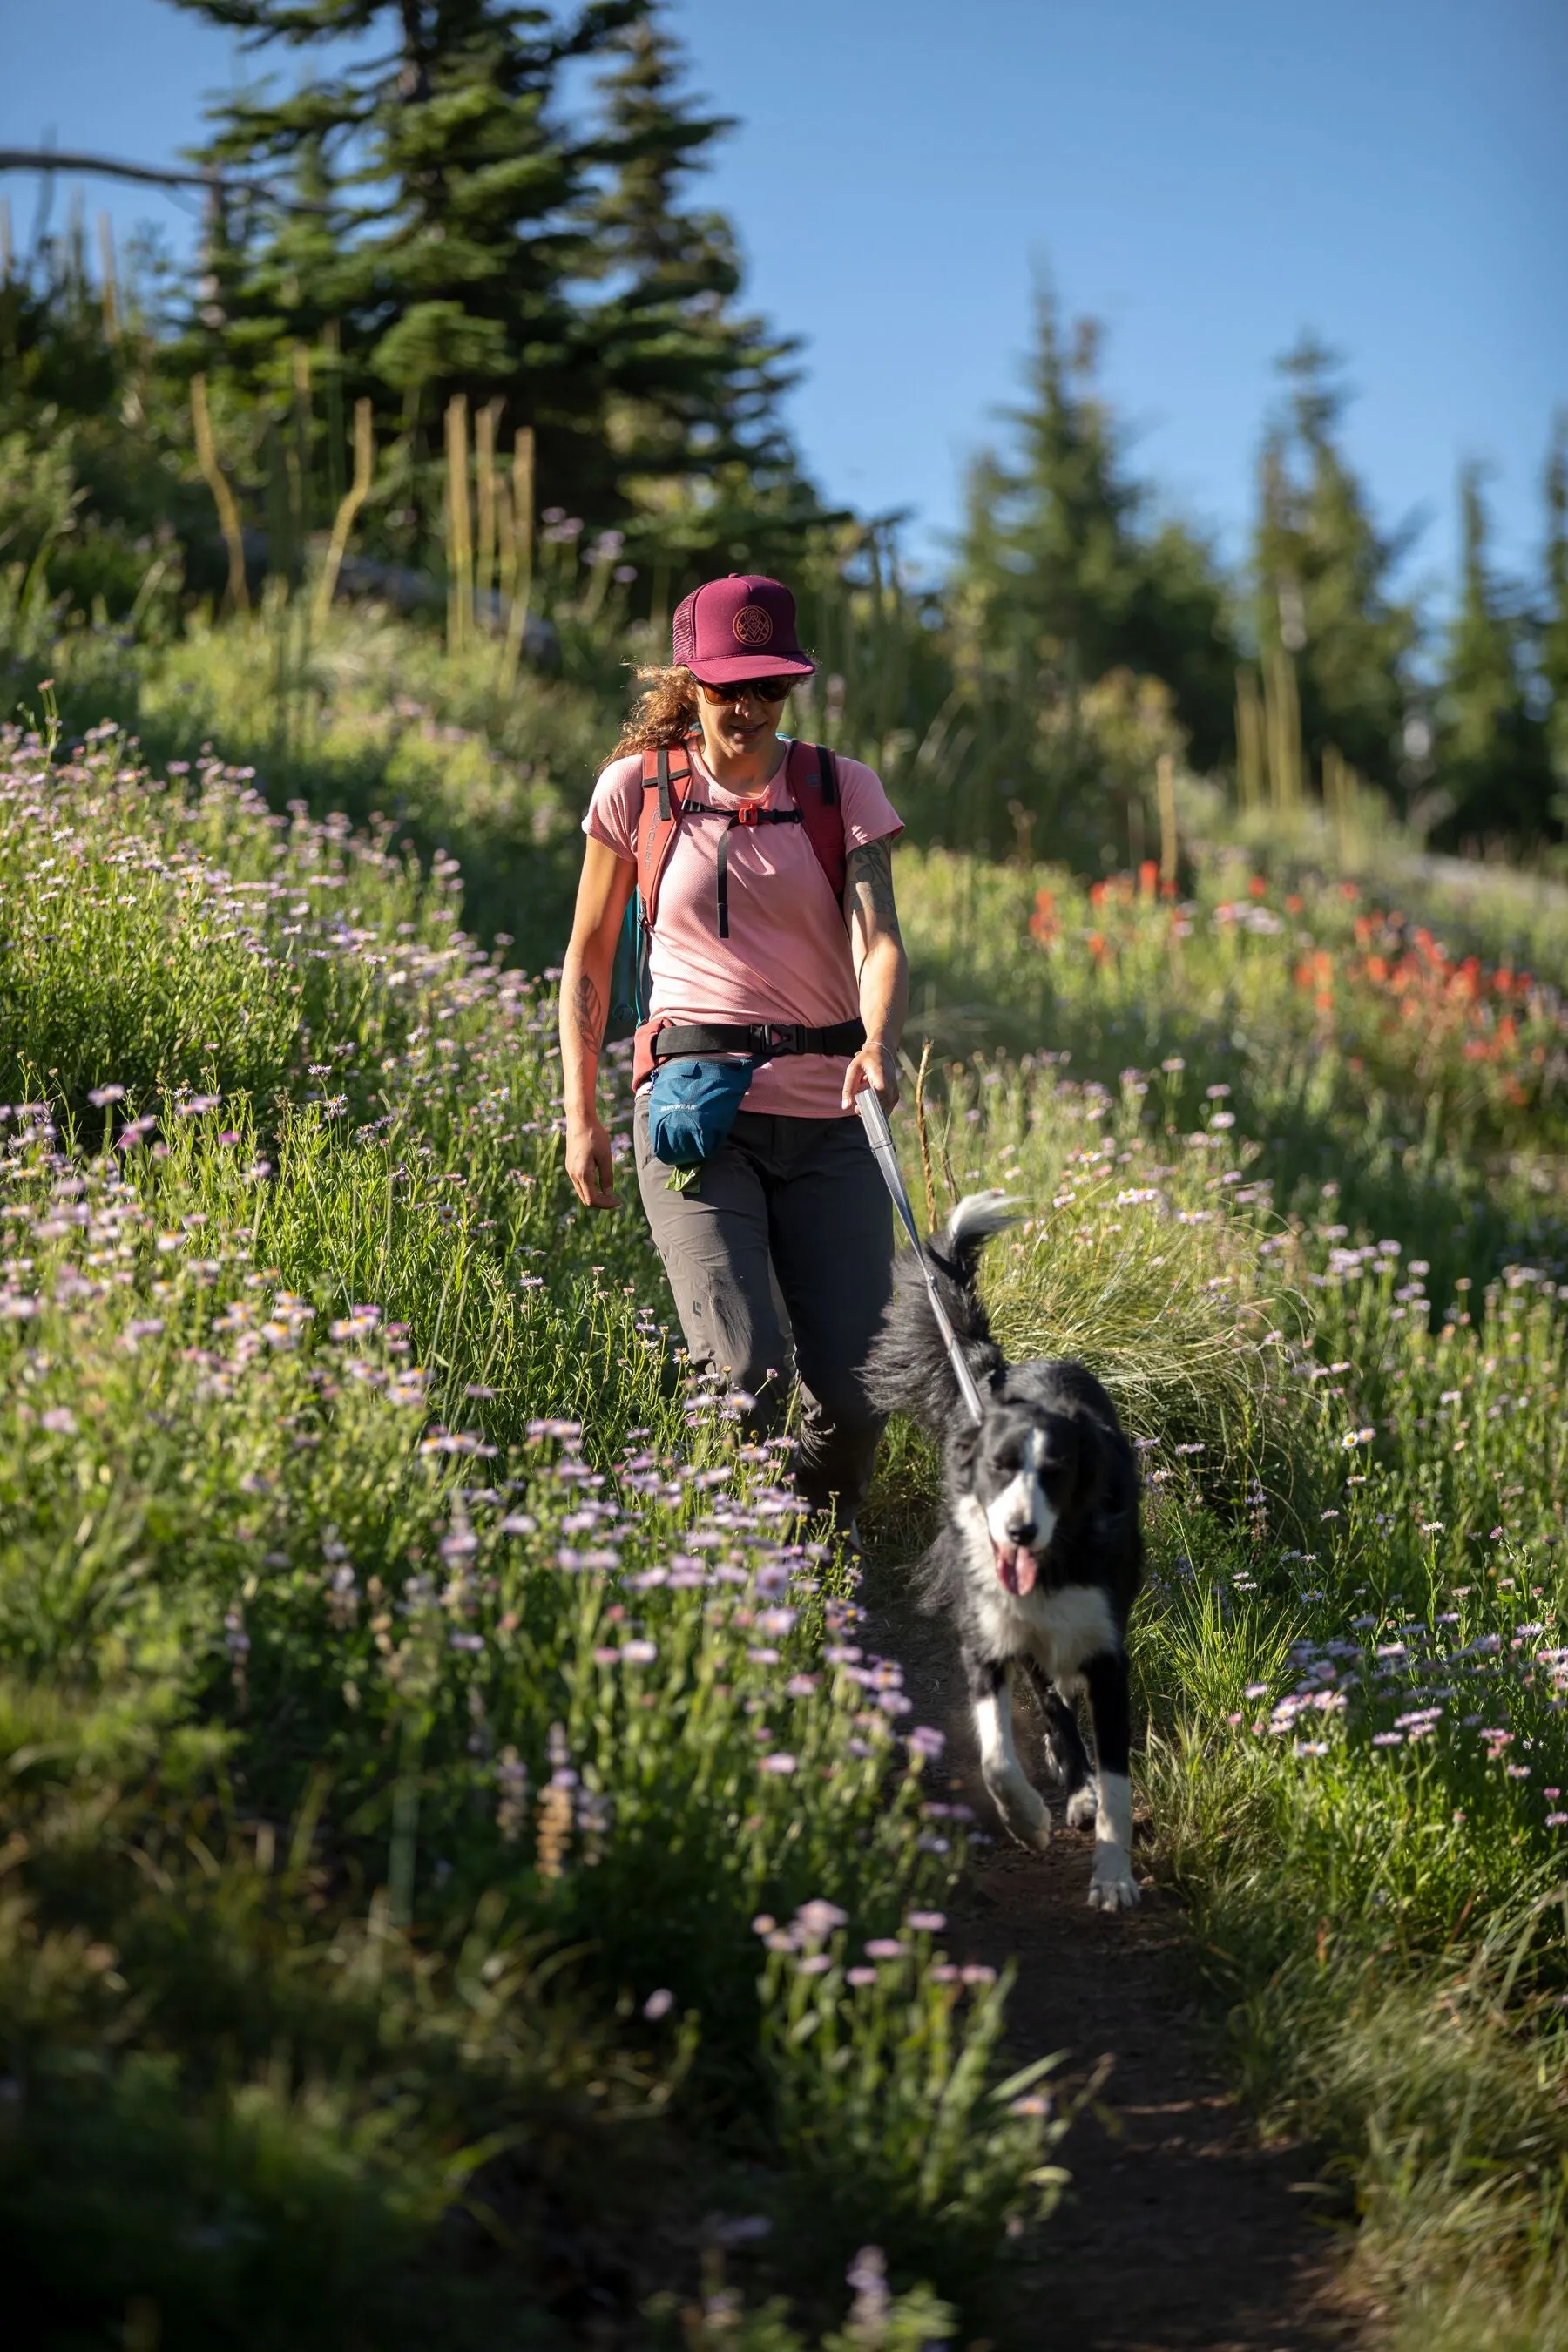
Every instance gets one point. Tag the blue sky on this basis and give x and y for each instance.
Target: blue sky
(1207, 180)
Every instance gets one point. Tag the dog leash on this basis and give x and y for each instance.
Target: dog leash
(874, 1120)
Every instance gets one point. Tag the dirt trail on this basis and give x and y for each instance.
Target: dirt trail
(1180, 2234)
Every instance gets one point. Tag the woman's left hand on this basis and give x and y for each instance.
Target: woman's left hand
(877, 1067)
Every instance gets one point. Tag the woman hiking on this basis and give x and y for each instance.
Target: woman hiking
(774, 988)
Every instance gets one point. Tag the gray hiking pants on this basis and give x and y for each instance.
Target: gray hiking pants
(800, 1200)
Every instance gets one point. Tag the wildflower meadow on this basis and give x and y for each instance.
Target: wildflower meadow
(424, 1807)
(480, 1867)
(467, 1866)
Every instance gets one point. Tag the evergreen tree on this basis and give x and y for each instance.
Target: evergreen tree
(84, 425)
(1059, 567)
(706, 382)
(1554, 628)
(1492, 758)
(1322, 579)
(469, 237)
(692, 408)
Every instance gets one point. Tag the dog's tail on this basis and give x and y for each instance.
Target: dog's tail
(909, 1369)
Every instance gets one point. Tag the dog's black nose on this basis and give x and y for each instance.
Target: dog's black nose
(1021, 1531)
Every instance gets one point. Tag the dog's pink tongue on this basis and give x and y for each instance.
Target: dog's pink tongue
(1016, 1568)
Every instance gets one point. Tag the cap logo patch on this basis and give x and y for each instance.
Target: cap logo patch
(752, 625)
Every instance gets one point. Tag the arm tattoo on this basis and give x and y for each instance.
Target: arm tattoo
(588, 1012)
(871, 872)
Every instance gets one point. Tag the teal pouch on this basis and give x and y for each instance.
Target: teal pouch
(691, 1109)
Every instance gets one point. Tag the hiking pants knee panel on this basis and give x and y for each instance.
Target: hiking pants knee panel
(714, 1246)
(807, 1198)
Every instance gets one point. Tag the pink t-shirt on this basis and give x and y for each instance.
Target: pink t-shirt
(788, 956)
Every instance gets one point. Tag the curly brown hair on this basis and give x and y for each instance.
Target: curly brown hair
(666, 712)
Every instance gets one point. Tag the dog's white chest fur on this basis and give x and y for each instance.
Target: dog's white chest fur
(1062, 1630)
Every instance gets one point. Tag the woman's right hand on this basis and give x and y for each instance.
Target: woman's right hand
(590, 1164)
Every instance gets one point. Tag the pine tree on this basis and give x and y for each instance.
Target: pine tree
(678, 271)
(1322, 579)
(81, 404)
(1059, 566)
(693, 403)
(469, 237)
(1554, 620)
(1492, 758)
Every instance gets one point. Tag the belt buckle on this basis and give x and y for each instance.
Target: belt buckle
(785, 1037)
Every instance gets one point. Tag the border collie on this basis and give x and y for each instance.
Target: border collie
(1040, 1552)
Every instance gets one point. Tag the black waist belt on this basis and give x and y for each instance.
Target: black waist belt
(761, 1039)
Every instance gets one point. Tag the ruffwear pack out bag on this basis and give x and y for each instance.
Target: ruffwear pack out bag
(692, 1107)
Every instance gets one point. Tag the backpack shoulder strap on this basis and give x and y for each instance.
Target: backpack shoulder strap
(665, 782)
(811, 773)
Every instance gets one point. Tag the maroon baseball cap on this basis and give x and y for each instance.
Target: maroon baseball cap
(739, 627)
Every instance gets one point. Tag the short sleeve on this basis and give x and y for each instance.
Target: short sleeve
(616, 809)
(869, 813)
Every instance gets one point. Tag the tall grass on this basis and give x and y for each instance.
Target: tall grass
(1294, 1172)
(1351, 1656)
(355, 1515)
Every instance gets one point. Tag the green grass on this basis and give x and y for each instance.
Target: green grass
(300, 1915)
(1427, 1103)
(364, 718)
(1351, 1656)
(387, 1624)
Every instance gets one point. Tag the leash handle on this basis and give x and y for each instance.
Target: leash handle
(874, 1120)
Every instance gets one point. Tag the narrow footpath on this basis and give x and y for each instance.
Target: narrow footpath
(1180, 2233)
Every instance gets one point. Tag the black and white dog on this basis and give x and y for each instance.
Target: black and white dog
(1041, 1553)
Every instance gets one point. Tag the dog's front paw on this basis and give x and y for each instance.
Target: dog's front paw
(1112, 1887)
(1082, 1806)
(1023, 1810)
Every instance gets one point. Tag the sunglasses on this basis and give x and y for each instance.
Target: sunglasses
(765, 689)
